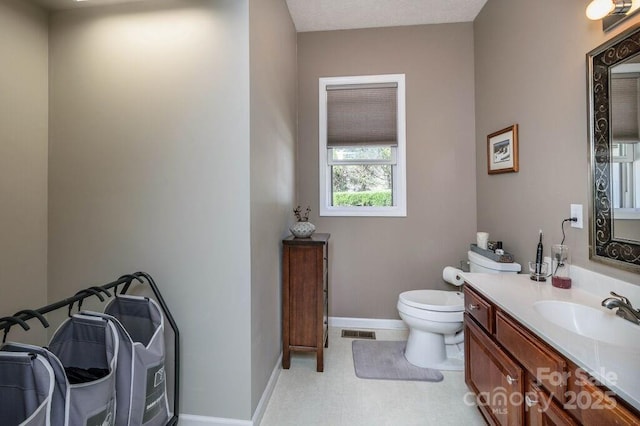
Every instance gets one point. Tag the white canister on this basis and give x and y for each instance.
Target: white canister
(482, 239)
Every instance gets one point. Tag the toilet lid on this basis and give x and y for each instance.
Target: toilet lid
(434, 300)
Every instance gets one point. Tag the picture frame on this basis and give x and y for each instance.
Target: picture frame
(502, 151)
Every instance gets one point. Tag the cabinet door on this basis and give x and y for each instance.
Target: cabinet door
(496, 380)
(543, 410)
(536, 357)
(303, 296)
(598, 407)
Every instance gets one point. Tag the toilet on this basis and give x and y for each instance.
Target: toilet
(434, 319)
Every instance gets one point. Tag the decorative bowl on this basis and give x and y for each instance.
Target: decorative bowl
(302, 229)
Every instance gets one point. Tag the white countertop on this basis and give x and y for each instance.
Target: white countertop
(617, 367)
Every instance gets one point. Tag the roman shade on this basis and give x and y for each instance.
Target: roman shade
(362, 114)
(624, 110)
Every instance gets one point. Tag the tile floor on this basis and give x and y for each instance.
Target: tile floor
(303, 397)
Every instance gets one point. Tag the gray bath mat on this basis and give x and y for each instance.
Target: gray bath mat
(385, 360)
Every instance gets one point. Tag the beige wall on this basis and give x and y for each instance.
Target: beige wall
(149, 170)
(23, 162)
(531, 70)
(273, 136)
(375, 259)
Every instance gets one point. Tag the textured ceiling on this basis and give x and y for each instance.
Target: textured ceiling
(323, 15)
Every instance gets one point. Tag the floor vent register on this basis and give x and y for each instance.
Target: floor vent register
(359, 334)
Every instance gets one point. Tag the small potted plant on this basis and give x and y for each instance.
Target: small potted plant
(302, 228)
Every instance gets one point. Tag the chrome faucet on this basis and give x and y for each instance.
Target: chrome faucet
(625, 309)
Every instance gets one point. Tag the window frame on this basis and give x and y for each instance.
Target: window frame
(399, 190)
(625, 170)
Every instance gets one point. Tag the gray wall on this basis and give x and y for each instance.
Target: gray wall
(531, 70)
(23, 162)
(273, 136)
(375, 259)
(149, 170)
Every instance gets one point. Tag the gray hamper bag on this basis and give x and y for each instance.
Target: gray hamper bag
(143, 329)
(26, 386)
(87, 347)
(58, 399)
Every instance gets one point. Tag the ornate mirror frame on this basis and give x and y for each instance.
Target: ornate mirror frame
(603, 247)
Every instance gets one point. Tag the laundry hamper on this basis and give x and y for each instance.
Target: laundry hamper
(87, 347)
(58, 412)
(26, 386)
(143, 330)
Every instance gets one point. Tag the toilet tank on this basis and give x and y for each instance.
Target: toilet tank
(479, 263)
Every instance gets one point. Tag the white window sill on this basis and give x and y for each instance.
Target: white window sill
(626, 214)
(364, 211)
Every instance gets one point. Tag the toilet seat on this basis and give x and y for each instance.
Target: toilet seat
(433, 300)
(427, 315)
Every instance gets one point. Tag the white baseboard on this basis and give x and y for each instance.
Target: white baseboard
(268, 391)
(193, 420)
(388, 324)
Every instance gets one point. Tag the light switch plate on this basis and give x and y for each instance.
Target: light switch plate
(576, 211)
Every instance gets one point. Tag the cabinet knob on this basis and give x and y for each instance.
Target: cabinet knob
(473, 306)
(529, 401)
(511, 380)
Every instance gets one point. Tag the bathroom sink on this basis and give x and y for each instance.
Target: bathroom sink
(590, 322)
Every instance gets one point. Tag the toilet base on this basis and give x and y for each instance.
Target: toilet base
(455, 358)
(428, 350)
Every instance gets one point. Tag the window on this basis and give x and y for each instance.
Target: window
(625, 169)
(362, 146)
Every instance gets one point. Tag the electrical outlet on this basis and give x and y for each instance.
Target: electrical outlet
(576, 211)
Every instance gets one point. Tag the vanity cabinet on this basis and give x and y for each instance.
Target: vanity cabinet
(492, 375)
(519, 379)
(305, 297)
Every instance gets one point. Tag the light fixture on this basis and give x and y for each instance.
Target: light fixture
(599, 9)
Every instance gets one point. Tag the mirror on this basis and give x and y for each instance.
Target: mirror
(614, 210)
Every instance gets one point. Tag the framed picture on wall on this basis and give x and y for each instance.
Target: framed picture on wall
(502, 151)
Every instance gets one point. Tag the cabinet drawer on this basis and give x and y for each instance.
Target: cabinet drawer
(479, 309)
(541, 361)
